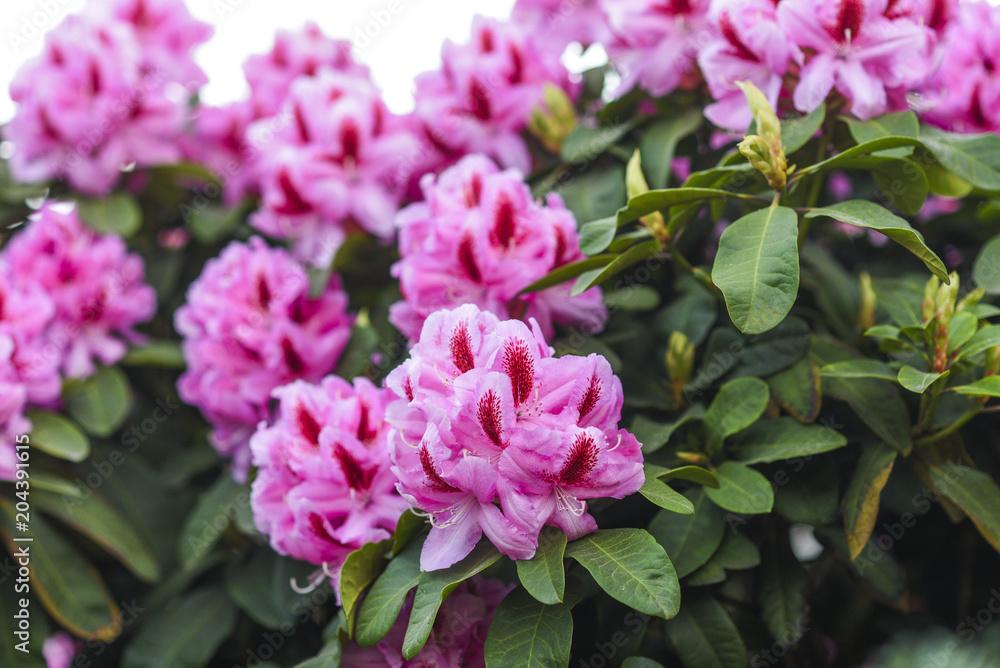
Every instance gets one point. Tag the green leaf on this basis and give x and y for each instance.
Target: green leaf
(940, 181)
(597, 193)
(861, 500)
(796, 132)
(893, 124)
(976, 493)
(873, 146)
(705, 637)
(658, 200)
(213, 514)
(797, 390)
(986, 268)
(632, 298)
(357, 354)
(330, 655)
(902, 184)
(974, 158)
(659, 142)
(690, 540)
(695, 474)
(408, 527)
(738, 404)
(736, 553)
(858, 368)
(984, 387)
(165, 354)
(783, 438)
(105, 525)
(640, 662)
(116, 214)
(260, 587)
(963, 327)
(527, 633)
(385, 598)
(597, 234)
(186, 634)
(58, 436)
(869, 215)
(211, 224)
(884, 332)
(434, 587)
(984, 339)
(757, 268)
(360, 569)
(661, 494)
(585, 143)
(901, 298)
(569, 271)
(632, 568)
(781, 591)
(67, 585)
(808, 492)
(636, 253)
(741, 490)
(101, 403)
(775, 349)
(693, 314)
(653, 435)
(917, 381)
(544, 576)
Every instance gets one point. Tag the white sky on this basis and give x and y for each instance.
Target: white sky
(408, 43)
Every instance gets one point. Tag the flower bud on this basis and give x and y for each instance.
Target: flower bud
(970, 299)
(680, 363)
(992, 367)
(928, 305)
(552, 121)
(764, 150)
(867, 317)
(635, 184)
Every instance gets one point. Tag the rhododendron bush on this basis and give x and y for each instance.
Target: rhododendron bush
(687, 359)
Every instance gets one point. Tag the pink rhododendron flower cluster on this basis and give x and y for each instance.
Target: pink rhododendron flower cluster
(331, 169)
(249, 326)
(324, 486)
(561, 22)
(457, 639)
(486, 414)
(483, 95)
(479, 237)
(99, 97)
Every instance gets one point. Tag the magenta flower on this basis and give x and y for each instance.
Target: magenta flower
(324, 486)
(96, 286)
(330, 168)
(249, 326)
(493, 435)
(59, 650)
(857, 50)
(484, 93)
(457, 639)
(13, 396)
(656, 41)
(219, 141)
(964, 93)
(563, 22)
(480, 238)
(750, 46)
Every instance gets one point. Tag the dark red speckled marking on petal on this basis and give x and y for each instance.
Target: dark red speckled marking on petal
(590, 397)
(504, 222)
(308, 426)
(460, 346)
(520, 367)
(489, 416)
(467, 258)
(434, 479)
(581, 461)
(292, 359)
(358, 477)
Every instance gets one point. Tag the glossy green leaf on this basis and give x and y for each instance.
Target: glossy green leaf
(165, 354)
(781, 590)
(569, 271)
(858, 368)
(385, 598)
(774, 350)
(434, 587)
(705, 637)
(659, 142)
(984, 387)
(737, 552)
(862, 213)
(661, 494)
(528, 633)
(260, 587)
(653, 435)
(981, 341)
(783, 438)
(974, 158)
(695, 474)
(105, 525)
(963, 327)
(797, 390)
(986, 268)
(738, 404)
(210, 518)
(632, 568)
(58, 436)
(861, 500)
(873, 146)
(892, 124)
(360, 569)
(597, 234)
(757, 268)
(115, 214)
(976, 493)
(690, 540)
(544, 575)
(659, 200)
(796, 132)
(917, 381)
(633, 255)
(596, 193)
(741, 489)
(692, 314)
(585, 143)
(408, 527)
(101, 403)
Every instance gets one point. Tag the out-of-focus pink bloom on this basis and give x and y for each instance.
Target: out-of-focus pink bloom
(492, 434)
(964, 93)
(95, 284)
(839, 186)
(456, 640)
(13, 396)
(166, 32)
(484, 93)
(324, 486)
(96, 99)
(480, 238)
(31, 355)
(656, 41)
(249, 326)
(562, 22)
(867, 57)
(331, 168)
(750, 46)
(59, 650)
(219, 141)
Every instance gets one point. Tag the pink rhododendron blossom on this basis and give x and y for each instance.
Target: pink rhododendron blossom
(249, 326)
(59, 650)
(656, 42)
(331, 168)
(324, 486)
(480, 238)
(750, 46)
(95, 284)
(856, 49)
(483, 95)
(456, 640)
(964, 93)
(493, 435)
(562, 22)
(98, 96)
